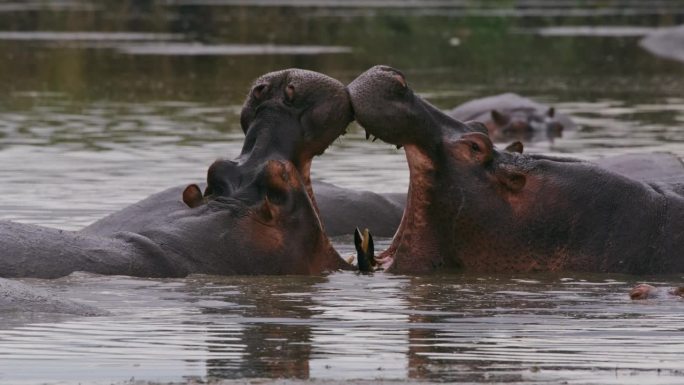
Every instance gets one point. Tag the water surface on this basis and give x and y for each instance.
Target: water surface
(102, 104)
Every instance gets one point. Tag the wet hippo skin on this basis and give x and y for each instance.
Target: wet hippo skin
(17, 296)
(257, 214)
(267, 227)
(477, 208)
(341, 210)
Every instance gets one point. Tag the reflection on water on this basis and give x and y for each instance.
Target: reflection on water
(348, 326)
(86, 129)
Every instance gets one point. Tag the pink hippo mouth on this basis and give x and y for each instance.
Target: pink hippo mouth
(389, 110)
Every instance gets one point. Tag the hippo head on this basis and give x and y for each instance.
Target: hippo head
(295, 113)
(388, 109)
(523, 123)
(268, 226)
(292, 115)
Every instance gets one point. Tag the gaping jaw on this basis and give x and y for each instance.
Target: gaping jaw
(277, 230)
(385, 106)
(388, 109)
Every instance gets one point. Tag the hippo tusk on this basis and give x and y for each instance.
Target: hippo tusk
(365, 250)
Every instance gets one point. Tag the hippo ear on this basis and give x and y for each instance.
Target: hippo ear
(499, 118)
(192, 196)
(515, 147)
(511, 179)
(551, 112)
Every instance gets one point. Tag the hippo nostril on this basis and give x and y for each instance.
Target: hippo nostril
(396, 74)
(289, 92)
(259, 90)
(401, 80)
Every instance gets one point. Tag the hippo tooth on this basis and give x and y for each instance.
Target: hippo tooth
(375, 138)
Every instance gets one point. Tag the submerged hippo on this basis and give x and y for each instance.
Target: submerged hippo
(646, 291)
(512, 117)
(256, 216)
(473, 207)
(268, 226)
(20, 298)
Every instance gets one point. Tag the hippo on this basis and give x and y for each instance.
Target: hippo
(18, 297)
(257, 214)
(310, 110)
(473, 207)
(646, 291)
(510, 116)
(341, 209)
(268, 226)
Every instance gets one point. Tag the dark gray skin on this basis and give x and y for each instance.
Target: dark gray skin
(512, 117)
(19, 297)
(341, 209)
(476, 208)
(256, 216)
(267, 227)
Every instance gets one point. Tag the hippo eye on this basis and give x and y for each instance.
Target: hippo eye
(474, 147)
(289, 92)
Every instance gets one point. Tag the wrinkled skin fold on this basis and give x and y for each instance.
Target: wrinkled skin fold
(473, 207)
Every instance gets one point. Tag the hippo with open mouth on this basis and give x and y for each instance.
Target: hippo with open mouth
(257, 214)
(293, 115)
(473, 207)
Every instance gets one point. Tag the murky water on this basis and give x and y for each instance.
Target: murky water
(104, 103)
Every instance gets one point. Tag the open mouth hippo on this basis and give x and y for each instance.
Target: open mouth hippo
(257, 214)
(473, 207)
(294, 115)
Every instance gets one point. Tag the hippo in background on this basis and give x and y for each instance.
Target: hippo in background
(257, 214)
(473, 207)
(512, 117)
